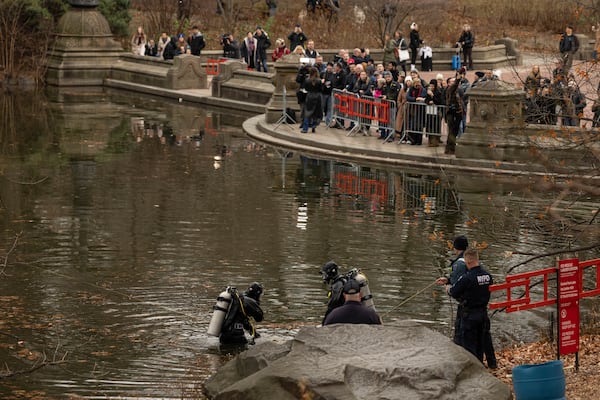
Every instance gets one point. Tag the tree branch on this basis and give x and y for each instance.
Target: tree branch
(553, 253)
(12, 248)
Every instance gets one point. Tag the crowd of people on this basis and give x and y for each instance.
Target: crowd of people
(421, 106)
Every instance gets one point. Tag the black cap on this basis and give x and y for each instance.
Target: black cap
(351, 287)
(461, 242)
(480, 74)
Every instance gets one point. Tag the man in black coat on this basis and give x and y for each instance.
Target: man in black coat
(472, 290)
(467, 41)
(569, 44)
(196, 41)
(297, 38)
(262, 44)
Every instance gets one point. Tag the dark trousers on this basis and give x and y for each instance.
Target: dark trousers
(468, 54)
(488, 345)
(453, 120)
(470, 330)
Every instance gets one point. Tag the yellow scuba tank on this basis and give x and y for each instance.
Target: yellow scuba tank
(365, 292)
(219, 312)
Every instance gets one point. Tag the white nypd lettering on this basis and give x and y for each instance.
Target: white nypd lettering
(483, 280)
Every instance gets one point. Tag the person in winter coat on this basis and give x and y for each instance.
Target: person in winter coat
(196, 41)
(467, 41)
(569, 44)
(249, 50)
(401, 105)
(280, 50)
(414, 44)
(390, 50)
(312, 112)
(231, 47)
(138, 42)
(433, 119)
(453, 114)
(416, 119)
(297, 37)
(262, 44)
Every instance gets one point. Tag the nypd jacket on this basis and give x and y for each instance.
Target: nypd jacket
(472, 289)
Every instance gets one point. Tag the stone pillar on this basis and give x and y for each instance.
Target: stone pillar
(496, 127)
(286, 70)
(84, 50)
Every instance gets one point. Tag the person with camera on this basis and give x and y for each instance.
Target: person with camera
(297, 37)
(231, 48)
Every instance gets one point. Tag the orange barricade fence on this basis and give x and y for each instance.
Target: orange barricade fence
(341, 106)
(363, 110)
(213, 65)
(519, 296)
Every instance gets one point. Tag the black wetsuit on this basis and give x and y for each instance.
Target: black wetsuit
(237, 319)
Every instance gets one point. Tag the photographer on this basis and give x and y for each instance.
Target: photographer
(231, 48)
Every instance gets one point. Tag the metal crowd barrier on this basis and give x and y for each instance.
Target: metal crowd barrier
(213, 65)
(424, 119)
(343, 102)
(364, 111)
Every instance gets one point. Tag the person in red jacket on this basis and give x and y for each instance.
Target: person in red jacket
(280, 50)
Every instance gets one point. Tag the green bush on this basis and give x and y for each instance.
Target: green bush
(116, 13)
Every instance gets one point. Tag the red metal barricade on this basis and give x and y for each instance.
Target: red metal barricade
(364, 110)
(522, 284)
(213, 65)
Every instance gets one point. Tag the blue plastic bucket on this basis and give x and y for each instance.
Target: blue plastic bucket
(539, 381)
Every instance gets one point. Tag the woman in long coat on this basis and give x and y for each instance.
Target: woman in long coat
(401, 104)
(312, 109)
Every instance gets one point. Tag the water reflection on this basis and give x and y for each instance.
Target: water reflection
(144, 210)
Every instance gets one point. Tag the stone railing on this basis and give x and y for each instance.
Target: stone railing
(235, 82)
(184, 72)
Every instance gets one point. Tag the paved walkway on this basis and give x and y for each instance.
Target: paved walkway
(334, 143)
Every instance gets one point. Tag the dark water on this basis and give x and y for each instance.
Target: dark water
(122, 218)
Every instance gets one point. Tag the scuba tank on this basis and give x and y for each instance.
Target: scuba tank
(220, 311)
(365, 293)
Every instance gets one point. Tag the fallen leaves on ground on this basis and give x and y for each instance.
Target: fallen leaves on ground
(580, 385)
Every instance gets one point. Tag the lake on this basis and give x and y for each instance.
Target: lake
(124, 216)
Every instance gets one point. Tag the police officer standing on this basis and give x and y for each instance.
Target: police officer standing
(472, 292)
(243, 307)
(458, 268)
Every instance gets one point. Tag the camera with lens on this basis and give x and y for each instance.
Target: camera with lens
(225, 41)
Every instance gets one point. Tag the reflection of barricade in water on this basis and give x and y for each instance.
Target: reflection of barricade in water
(421, 118)
(361, 182)
(403, 190)
(364, 111)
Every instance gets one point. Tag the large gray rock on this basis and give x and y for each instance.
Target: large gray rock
(352, 362)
